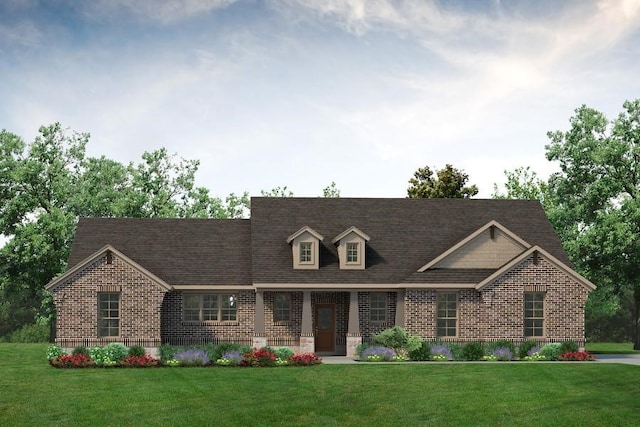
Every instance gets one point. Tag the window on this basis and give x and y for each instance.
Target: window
(378, 307)
(534, 314)
(306, 252)
(282, 308)
(209, 307)
(109, 314)
(447, 322)
(352, 252)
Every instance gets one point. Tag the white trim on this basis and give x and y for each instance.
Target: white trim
(304, 229)
(352, 229)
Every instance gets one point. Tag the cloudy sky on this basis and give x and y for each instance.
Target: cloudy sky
(300, 93)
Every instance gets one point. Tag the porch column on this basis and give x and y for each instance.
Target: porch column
(259, 336)
(400, 308)
(354, 338)
(307, 339)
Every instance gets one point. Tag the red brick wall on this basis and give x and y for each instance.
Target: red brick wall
(76, 303)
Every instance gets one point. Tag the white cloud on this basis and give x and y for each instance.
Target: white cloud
(164, 12)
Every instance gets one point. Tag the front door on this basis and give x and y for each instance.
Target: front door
(325, 327)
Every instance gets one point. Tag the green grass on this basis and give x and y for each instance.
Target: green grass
(403, 394)
(611, 348)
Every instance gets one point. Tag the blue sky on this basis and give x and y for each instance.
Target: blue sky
(300, 93)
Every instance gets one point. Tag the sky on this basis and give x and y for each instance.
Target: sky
(302, 93)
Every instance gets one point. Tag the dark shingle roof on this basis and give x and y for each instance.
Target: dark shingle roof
(179, 251)
(405, 233)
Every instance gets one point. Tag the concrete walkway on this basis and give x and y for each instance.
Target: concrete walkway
(628, 359)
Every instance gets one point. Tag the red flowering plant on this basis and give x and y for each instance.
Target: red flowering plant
(139, 361)
(72, 361)
(306, 359)
(264, 356)
(577, 356)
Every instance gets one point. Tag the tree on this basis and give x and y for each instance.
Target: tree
(277, 192)
(331, 190)
(597, 200)
(523, 183)
(448, 183)
(47, 184)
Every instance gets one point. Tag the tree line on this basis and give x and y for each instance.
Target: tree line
(593, 202)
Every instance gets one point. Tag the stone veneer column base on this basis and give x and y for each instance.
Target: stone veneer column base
(352, 343)
(307, 344)
(259, 342)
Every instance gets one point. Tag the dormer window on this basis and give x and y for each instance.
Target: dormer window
(351, 248)
(305, 248)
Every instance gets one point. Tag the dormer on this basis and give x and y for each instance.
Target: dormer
(351, 248)
(305, 247)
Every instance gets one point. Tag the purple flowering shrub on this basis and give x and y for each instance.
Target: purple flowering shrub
(503, 353)
(441, 352)
(377, 354)
(192, 358)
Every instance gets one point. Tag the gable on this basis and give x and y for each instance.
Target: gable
(491, 246)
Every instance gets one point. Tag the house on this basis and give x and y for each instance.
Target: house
(323, 275)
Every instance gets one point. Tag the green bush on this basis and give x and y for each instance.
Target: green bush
(224, 347)
(136, 351)
(80, 350)
(33, 333)
(473, 350)
(550, 351)
(116, 351)
(525, 346)
(54, 351)
(569, 347)
(492, 346)
(421, 353)
(398, 339)
(167, 351)
(283, 352)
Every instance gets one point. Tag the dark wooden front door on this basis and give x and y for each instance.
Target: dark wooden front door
(325, 327)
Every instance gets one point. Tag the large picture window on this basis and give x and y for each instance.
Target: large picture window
(282, 308)
(534, 314)
(378, 307)
(209, 307)
(109, 314)
(447, 322)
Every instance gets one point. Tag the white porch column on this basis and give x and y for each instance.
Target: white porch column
(354, 338)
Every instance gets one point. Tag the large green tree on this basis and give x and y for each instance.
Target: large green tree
(47, 184)
(448, 182)
(596, 207)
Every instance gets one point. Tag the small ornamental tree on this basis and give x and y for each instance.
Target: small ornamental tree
(399, 340)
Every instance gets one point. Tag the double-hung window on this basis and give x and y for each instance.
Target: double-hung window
(534, 314)
(282, 308)
(447, 316)
(378, 307)
(209, 307)
(353, 255)
(306, 252)
(109, 314)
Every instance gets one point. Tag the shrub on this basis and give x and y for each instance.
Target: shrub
(503, 353)
(440, 352)
(192, 357)
(259, 357)
(360, 348)
(53, 351)
(377, 354)
(167, 351)
(139, 361)
(80, 350)
(577, 356)
(569, 347)
(33, 333)
(421, 353)
(283, 352)
(473, 350)
(136, 350)
(550, 351)
(492, 346)
(230, 358)
(101, 357)
(116, 351)
(525, 347)
(306, 359)
(398, 339)
(219, 350)
(72, 361)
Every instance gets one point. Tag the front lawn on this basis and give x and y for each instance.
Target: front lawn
(545, 393)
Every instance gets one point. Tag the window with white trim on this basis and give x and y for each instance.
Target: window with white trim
(378, 307)
(306, 252)
(353, 253)
(209, 307)
(447, 315)
(109, 314)
(534, 314)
